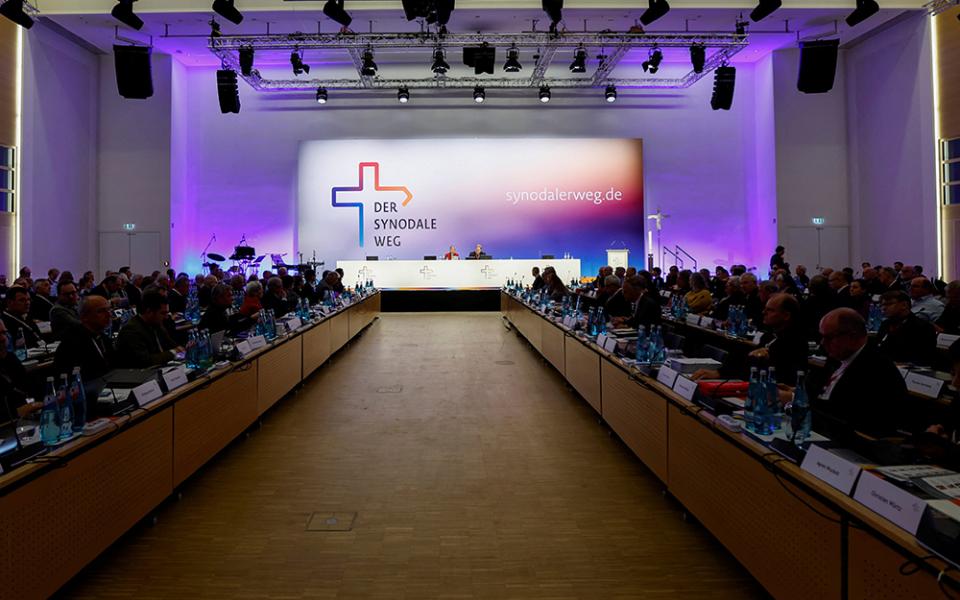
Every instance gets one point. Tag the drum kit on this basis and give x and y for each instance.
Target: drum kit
(246, 262)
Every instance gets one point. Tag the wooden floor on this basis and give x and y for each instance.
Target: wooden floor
(474, 473)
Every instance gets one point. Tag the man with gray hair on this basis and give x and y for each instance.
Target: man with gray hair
(275, 298)
(949, 321)
(86, 345)
(923, 304)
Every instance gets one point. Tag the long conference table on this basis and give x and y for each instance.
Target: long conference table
(451, 274)
(799, 537)
(59, 513)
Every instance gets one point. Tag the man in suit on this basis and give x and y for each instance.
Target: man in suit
(177, 297)
(216, 317)
(86, 345)
(144, 342)
(275, 298)
(16, 317)
(41, 303)
(64, 313)
(537, 279)
(888, 281)
(840, 284)
(784, 344)
(903, 336)
(109, 288)
(860, 390)
(752, 304)
(477, 252)
(620, 306)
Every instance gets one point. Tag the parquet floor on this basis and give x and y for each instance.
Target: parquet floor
(474, 473)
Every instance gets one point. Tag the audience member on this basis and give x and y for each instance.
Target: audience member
(537, 279)
(949, 321)
(177, 297)
(64, 313)
(923, 304)
(218, 318)
(904, 337)
(645, 311)
(275, 298)
(698, 299)
(143, 341)
(16, 316)
(86, 345)
(41, 303)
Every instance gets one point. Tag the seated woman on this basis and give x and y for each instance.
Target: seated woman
(251, 299)
(734, 297)
(555, 288)
(699, 300)
(859, 298)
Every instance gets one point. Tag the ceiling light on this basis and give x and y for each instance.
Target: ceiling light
(657, 9)
(334, 10)
(321, 95)
(513, 61)
(227, 10)
(246, 60)
(439, 65)
(764, 9)
(554, 10)
(698, 57)
(403, 95)
(296, 61)
(611, 93)
(13, 10)
(368, 68)
(544, 94)
(652, 64)
(123, 12)
(579, 64)
(479, 95)
(865, 9)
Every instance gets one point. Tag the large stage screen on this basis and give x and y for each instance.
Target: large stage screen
(519, 198)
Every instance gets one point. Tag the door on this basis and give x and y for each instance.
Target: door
(114, 252)
(817, 247)
(139, 250)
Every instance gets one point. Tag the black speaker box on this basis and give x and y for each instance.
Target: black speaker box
(134, 77)
(724, 80)
(227, 91)
(818, 66)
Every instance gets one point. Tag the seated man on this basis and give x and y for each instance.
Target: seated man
(555, 288)
(144, 342)
(86, 345)
(110, 288)
(177, 296)
(477, 252)
(620, 307)
(16, 317)
(41, 303)
(903, 337)
(752, 304)
(611, 285)
(64, 313)
(941, 442)
(923, 304)
(949, 321)
(275, 298)
(216, 317)
(733, 297)
(14, 380)
(537, 279)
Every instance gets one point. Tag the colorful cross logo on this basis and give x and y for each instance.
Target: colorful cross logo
(376, 186)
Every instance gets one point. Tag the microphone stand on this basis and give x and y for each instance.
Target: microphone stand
(203, 255)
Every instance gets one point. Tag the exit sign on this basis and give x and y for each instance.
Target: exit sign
(129, 226)
(818, 220)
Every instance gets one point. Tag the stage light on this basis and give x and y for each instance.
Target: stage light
(368, 68)
(321, 95)
(228, 11)
(439, 65)
(481, 58)
(513, 61)
(296, 61)
(544, 94)
(611, 93)
(123, 12)
(334, 10)
(13, 10)
(764, 9)
(740, 26)
(554, 10)
(724, 79)
(433, 11)
(403, 95)
(246, 60)
(479, 95)
(652, 64)
(698, 57)
(579, 64)
(657, 9)
(865, 9)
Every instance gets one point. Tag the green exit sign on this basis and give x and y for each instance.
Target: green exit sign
(818, 220)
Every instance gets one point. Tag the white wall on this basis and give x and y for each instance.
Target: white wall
(59, 175)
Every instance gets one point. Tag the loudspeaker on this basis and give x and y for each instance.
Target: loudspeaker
(818, 66)
(724, 79)
(227, 91)
(134, 78)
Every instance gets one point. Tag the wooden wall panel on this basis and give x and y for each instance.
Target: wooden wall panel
(316, 348)
(582, 368)
(553, 346)
(278, 372)
(875, 572)
(638, 415)
(339, 331)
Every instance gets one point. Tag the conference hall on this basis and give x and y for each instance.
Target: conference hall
(485, 299)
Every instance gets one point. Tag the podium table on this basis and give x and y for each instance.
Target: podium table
(452, 274)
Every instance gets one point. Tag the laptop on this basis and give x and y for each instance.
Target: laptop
(19, 438)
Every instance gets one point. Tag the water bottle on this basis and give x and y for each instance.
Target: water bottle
(591, 325)
(659, 356)
(50, 416)
(751, 401)
(601, 321)
(78, 396)
(802, 421)
(643, 346)
(66, 409)
(20, 346)
(760, 411)
(774, 414)
(191, 350)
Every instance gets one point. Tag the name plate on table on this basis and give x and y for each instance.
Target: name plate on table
(667, 376)
(44, 327)
(610, 344)
(945, 340)
(257, 341)
(145, 393)
(685, 387)
(708, 323)
(756, 337)
(891, 502)
(601, 339)
(570, 321)
(294, 323)
(831, 469)
(924, 385)
(175, 377)
(244, 347)
(693, 319)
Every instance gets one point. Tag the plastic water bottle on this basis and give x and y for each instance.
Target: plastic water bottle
(601, 321)
(50, 416)
(659, 355)
(591, 323)
(750, 403)
(66, 409)
(191, 350)
(78, 396)
(774, 412)
(20, 346)
(802, 421)
(760, 411)
(643, 346)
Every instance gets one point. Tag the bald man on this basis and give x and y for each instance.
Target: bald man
(86, 345)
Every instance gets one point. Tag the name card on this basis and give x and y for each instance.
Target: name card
(257, 341)
(685, 387)
(601, 339)
(667, 376)
(833, 470)
(570, 321)
(294, 323)
(757, 337)
(244, 347)
(708, 323)
(44, 327)
(693, 319)
(891, 502)
(610, 344)
(145, 393)
(945, 340)
(903, 371)
(175, 377)
(924, 385)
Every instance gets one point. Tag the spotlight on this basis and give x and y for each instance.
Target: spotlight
(334, 10)
(554, 10)
(865, 9)
(368, 68)
(403, 95)
(296, 61)
(657, 9)
(611, 93)
(321, 95)
(544, 94)
(723, 83)
(698, 57)
(227, 10)
(479, 95)
(740, 26)
(579, 64)
(513, 61)
(13, 10)
(481, 58)
(440, 65)
(764, 9)
(246, 60)
(652, 64)
(123, 12)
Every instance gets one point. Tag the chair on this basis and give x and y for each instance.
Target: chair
(373, 258)
(673, 341)
(717, 354)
